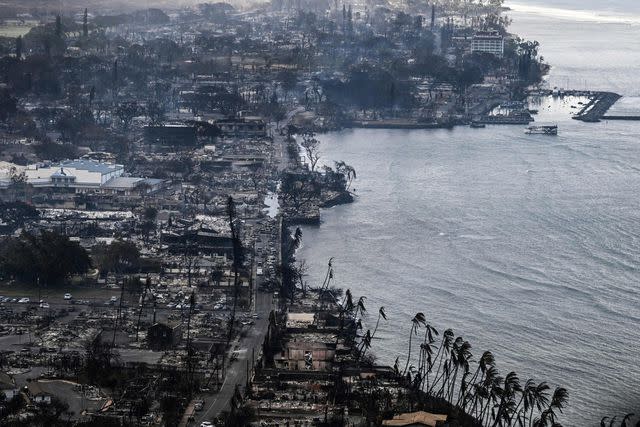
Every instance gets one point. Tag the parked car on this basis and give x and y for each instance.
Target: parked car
(44, 305)
(23, 300)
(67, 296)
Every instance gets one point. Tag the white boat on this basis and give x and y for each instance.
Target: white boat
(542, 130)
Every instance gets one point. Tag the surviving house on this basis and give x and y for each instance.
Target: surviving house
(164, 336)
(306, 352)
(37, 393)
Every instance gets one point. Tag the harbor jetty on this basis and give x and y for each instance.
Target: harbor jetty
(628, 118)
(597, 107)
(406, 123)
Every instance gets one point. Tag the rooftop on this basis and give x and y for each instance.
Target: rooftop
(91, 166)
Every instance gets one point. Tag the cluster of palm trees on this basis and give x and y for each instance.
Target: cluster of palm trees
(445, 369)
(626, 421)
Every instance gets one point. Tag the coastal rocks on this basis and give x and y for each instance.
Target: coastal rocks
(335, 198)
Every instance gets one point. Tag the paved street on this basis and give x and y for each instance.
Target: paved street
(236, 373)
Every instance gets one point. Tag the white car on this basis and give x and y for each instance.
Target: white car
(44, 305)
(113, 298)
(206, 424)
(23, 300)
(67, 296)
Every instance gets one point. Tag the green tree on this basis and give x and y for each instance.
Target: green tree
(47, 256)
(119, 257)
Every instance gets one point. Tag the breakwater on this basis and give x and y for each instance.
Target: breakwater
(400, 124)
(597, 107)
(628, 118)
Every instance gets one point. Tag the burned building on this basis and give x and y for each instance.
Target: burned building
(176, 135)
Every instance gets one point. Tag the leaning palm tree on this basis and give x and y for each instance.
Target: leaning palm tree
(442, 355)
(509, 390)
(365, 344)
(463, 356)
(493, 383)
(425, 361)
(558, 401)
(523, 405)
(417, 320)
(626, 419)
(539, 399)
(328, 276)
(382, 314)
(485, 361)
(360, 307)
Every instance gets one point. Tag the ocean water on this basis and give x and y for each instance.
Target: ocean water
(528, 246)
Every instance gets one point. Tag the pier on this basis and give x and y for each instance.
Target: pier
(597, 107)
(628, 118)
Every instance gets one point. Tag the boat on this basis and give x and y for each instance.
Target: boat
(477, 125)
(542, 130)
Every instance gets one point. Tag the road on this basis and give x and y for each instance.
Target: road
(281, 153)
(236, 374)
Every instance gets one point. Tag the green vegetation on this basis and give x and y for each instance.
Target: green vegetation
(47, 257)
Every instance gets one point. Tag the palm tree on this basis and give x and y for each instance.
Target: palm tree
(329, 275)
(486, 360)
(443, 351)
(417, 320)
(360, 306)
(426, 360)
(626, 419)
(525, 397)
(462, 357)
(345, 308)
(491, 390)
(538, 400)
(365, 344)
(382, 314)
(558, 402)
(237, 261)
(507, 397)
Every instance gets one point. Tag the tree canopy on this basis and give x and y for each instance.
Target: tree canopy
(48, 256)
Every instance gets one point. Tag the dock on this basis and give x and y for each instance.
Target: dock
(628, 118)
(597, 107)
(400, 124)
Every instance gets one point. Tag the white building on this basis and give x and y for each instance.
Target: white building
(83, 175)
(488, 42)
